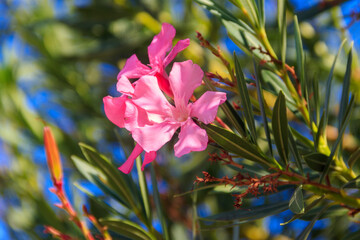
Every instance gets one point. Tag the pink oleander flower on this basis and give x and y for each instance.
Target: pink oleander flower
(157, 50)
(165, 118)
(125, 114)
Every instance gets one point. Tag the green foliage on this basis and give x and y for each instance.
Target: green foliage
(264, 144)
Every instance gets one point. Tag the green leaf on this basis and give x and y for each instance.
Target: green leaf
(300, 63)
(261, 12)
(345, 88)
(99, 201)
(275, 84)
(246, 41)
(316, 161)
(328, 91)
(245, 98)
(296, 204)
(307, 208)
(353, 235)
(316, 101)
(252, 9)
(304, 235)
(117, 181)
(235, 144)
(233, 117)
(355, 156)
(280, 128)
(86, 169)
(294, 151)
(331, 212)
(230, 112)
(250, 215)
(127, 229)
(343, 126)
(354, 183)
(281, 16)
(158, 205)
(238, 31)
(144, 191)
(221, 12)
(262, 105)
(96, 176)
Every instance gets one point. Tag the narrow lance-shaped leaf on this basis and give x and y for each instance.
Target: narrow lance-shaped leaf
(99, 201)
(319, 134)
(304, 235)
(221, 12)
(241, 33)
(235, 144)
(252, 9)
(355, 157)
(261, 12)
(280, 128)
(294, 151)
(94, 175)
(245, 99)
(127, 229)
(296, 204)
(343, 126)
(262, 105)
(309, 91)
(316, 100)
(144, 191)
(345, 88)
(307, 208)
(331, 212)
(282, 28)
(299, 55)
(158, 205)
(276, 84)
(255, 213)
(354, 183)
(328, 92)
(115, 179)
(316, 161)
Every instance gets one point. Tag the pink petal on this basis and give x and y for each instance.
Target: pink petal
(124, 113)
(148, 96)
(124, 86)
(128, 165)
(134, 116)
(180, 45)
(115, 109)
(149, 157)
(133, 68)
(161, 44)
(191, 138)
(205, 108)
(153, 137)
(184, 78)
(164, 84)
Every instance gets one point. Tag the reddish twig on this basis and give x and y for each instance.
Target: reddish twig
(225, 158)
(56, 233)
(268, 183)
(288, 68)
(220, 78)
(352, 211)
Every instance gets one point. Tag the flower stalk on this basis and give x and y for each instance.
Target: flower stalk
(55, 168)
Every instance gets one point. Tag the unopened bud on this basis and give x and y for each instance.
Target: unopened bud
(53, 157)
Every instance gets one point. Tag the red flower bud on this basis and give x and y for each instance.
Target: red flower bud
(53, 157)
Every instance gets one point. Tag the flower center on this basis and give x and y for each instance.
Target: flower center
(180, 114)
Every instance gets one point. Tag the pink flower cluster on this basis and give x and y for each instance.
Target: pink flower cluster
(144, 109)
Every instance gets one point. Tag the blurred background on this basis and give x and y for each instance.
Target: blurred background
(59, 58)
